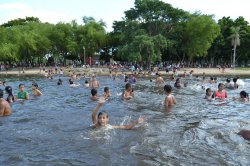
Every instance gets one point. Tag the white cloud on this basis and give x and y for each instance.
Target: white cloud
(21, 10)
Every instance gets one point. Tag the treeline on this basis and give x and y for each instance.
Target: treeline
(152, 31)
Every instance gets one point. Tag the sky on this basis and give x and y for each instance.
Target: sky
(54, 11)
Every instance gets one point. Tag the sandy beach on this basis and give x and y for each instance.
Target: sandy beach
(104, 71)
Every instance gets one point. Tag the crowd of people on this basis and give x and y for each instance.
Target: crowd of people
(99, 118)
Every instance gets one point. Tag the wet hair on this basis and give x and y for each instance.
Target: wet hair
(211, 78)
(220, 84)
(228, 80)
(1, 93)
(93, 92)
(20, 85)
(167, 88)
(59, 81)
(35, 85)
(106, 89)
(70, 81)
(235, 79)
(207, 90)
(215, 78)
(103, 113)
(128, 85)
(86, 82)
(8, 89)
(244, 94)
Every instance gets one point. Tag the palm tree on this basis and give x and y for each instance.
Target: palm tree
(235, 39)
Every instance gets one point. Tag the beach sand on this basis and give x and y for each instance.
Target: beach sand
(105, 71)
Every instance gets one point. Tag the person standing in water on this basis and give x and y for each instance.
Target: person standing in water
(220, 93)
(10, 98)
(94, 83)
(243, 97)
(22, 94)
(106, 93)
(102, 119)
(94, 95)
(5, 108)
(169, 99)
(128, 93)
(159, 79)
(35, 90)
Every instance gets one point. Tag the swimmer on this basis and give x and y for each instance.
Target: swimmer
(169, 99)
(208, 95)
(60, 81)
(220, 93)
(211, 80)
(204, 77)
(94, 83)
(22, 94)
(128, 93)
(10, 98)
(86, 84)
(5, 108)
(106, 93)
(159, 80)
(243, 97)
(126, 78)
(177, 83)
(4, 83)
(35, 90)
(102, 119)
(235, 86)
(228, 84)
(94, 95)
(71, 81)
(132, 79)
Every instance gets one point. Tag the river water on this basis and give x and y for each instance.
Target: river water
(54, 129)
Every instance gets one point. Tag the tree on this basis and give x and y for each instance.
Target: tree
(197, 35)
(235, 37)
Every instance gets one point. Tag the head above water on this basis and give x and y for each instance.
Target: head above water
(235, 80)
(127, 86)
(21, 87)
(103, 118)
(244, 94)
(208, 91)
(106, 89)
(168, 88)
(221, 86)
(35, 85)
(93, 92)
(8, 89)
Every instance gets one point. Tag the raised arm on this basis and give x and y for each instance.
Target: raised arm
(94, 113)
(131, 125)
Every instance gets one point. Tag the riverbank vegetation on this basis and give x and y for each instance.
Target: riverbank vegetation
(152, 31)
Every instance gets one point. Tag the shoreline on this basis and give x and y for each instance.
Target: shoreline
(105, 72)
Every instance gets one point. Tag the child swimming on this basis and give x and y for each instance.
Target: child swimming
(94, 95)
(106, 93)
(208, 95)
(35, 90)
(102, 119)
(128, 93)
(22, 94)
(177, 83)
(220, 93)
(169, 99)
(243, 97)
(10, 98)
